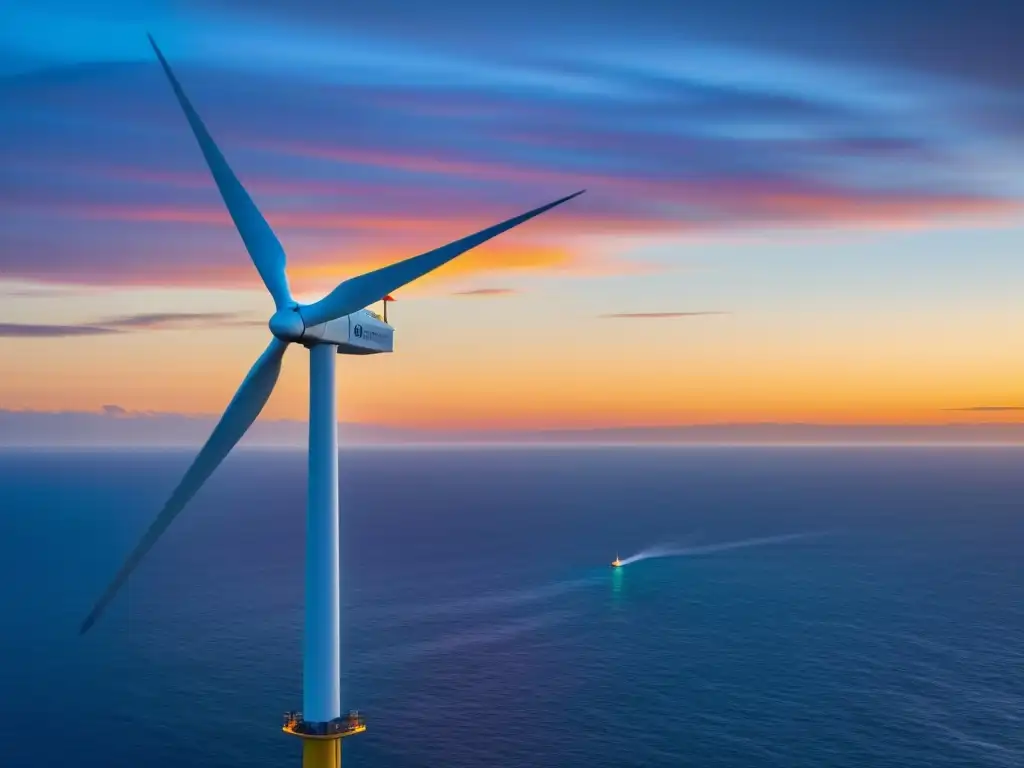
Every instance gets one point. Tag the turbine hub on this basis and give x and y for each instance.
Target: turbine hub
(286, 324)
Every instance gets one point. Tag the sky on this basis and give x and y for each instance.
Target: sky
(797, 212)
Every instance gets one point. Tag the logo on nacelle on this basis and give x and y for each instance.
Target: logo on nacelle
(357, 331)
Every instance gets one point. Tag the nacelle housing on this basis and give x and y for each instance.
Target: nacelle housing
(361, 333)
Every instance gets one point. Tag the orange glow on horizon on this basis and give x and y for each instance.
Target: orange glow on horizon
(496, 389)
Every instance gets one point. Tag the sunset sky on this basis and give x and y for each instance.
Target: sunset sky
(814, 208)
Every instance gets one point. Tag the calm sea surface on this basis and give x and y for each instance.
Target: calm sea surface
(482, 625)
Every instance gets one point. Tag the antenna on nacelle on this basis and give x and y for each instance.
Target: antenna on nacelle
(387, 298)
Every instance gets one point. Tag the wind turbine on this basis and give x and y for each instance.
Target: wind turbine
(336, 324)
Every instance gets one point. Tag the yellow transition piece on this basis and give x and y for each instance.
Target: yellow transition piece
(321, 753)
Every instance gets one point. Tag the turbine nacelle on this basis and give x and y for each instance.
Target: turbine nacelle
(358, 333)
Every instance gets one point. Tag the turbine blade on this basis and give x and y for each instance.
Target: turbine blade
(359, 292)
(260, 240)
(241, 412)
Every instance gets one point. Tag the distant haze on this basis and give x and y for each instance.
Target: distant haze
(116, 427)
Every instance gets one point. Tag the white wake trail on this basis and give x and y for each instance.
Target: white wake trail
(669, 550)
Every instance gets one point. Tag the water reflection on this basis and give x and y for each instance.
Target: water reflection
(617, 585)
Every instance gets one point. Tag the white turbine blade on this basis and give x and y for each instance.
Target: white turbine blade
(361, 291)
(260, 240)
(241, 412)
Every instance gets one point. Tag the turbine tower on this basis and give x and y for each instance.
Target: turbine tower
(339, 323)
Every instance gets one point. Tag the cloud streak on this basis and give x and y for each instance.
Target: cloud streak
(123, 324)
(161, 320)
(387, 158)
(658, 315)
(989, 408)
(35, 331)
(486, 292)
(898, 35)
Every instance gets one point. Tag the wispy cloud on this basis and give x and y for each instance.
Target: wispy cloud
(33, 331)
(486, 292)
(989, 408)
(334, 153)
(159, 320)
(124, 324)
(40, 293)
(659, 315)
(894, 35)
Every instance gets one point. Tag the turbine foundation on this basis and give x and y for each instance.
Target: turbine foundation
(321, 742)
(321, 754)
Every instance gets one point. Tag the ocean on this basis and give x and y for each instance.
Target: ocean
(811, 607)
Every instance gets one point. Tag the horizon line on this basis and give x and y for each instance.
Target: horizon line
(442, 444)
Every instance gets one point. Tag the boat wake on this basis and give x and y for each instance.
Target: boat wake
(675, 550)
